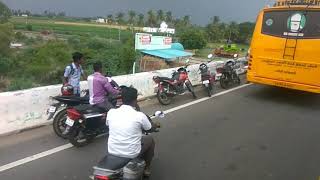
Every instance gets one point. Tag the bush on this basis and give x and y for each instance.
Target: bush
(20, 83)
(4, 65)
(6, 36)
(29, 27)
(49, 61)
(193, 39)
(20, 36)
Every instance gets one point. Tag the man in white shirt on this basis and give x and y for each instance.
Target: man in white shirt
(126, 126)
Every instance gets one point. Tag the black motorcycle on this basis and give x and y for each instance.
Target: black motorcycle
(229, 76)
(85, 122)
(58, 110)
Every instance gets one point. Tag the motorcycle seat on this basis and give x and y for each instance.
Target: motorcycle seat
(112, 162)
(166, 79)
(72, 99)
(87, 109)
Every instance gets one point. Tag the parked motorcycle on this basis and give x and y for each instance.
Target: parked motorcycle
(207, 78)
(167, 88)
(229, 76)
(58, 110)
(115, 168)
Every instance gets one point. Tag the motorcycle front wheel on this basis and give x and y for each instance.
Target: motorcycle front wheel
(78, 137)
(163, 98)
(191, 89)
(59, 125)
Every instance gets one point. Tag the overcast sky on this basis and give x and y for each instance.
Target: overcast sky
(200, 10)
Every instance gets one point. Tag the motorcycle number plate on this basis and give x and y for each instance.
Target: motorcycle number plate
(69, 122)
(206, 82)
(52, 109)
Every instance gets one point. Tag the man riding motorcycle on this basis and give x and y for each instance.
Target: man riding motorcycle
(126, 126)
(99, 87)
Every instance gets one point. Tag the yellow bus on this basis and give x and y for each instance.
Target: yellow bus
(285, 47)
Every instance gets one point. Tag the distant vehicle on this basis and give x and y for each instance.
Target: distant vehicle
(227, 51)
(285, 46)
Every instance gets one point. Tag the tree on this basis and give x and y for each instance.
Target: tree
(5, 13)
(127, 56)
(214, 30)
(215, 20)
(169, 17)
(193, 39)
(132, 14)
(151, 18)
(141, 19)
(110, 18)
(160, 16)
(6, 36)
(61, 14)
(120, 17)
(233, 31)
(245, 32)
(28, 13)
(186, 20)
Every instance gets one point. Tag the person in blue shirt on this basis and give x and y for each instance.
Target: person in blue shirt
(73, 73)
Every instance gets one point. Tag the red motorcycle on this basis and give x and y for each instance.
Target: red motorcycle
(207, 78)
(167, 88)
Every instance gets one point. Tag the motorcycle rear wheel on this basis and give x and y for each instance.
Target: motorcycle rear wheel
(224, 83)
(59, 125)
(209, 89)
(163, 98)
(75, 139)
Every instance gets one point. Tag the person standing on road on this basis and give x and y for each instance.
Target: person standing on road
(73, 73)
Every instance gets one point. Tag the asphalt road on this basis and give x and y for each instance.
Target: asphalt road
(253, 133)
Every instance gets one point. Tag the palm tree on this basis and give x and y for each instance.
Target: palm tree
(132, 14)
(186, 20)
(160, 16)
(169, 17)
(141, 19)
(110, 18)
(120, 17)
(233, 29)
(151, 18)
(215, 20)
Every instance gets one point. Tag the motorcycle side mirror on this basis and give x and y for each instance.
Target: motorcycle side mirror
(235, 56)
(159, 114)
(210, 56)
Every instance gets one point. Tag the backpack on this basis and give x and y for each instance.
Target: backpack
(72, 70)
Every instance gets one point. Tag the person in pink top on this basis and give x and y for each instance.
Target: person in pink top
(100, 88)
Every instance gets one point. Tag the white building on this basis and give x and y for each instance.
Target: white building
(101, 20)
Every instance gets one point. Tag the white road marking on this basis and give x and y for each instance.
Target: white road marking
(67, 146)
(35, 157)
(204, 99)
